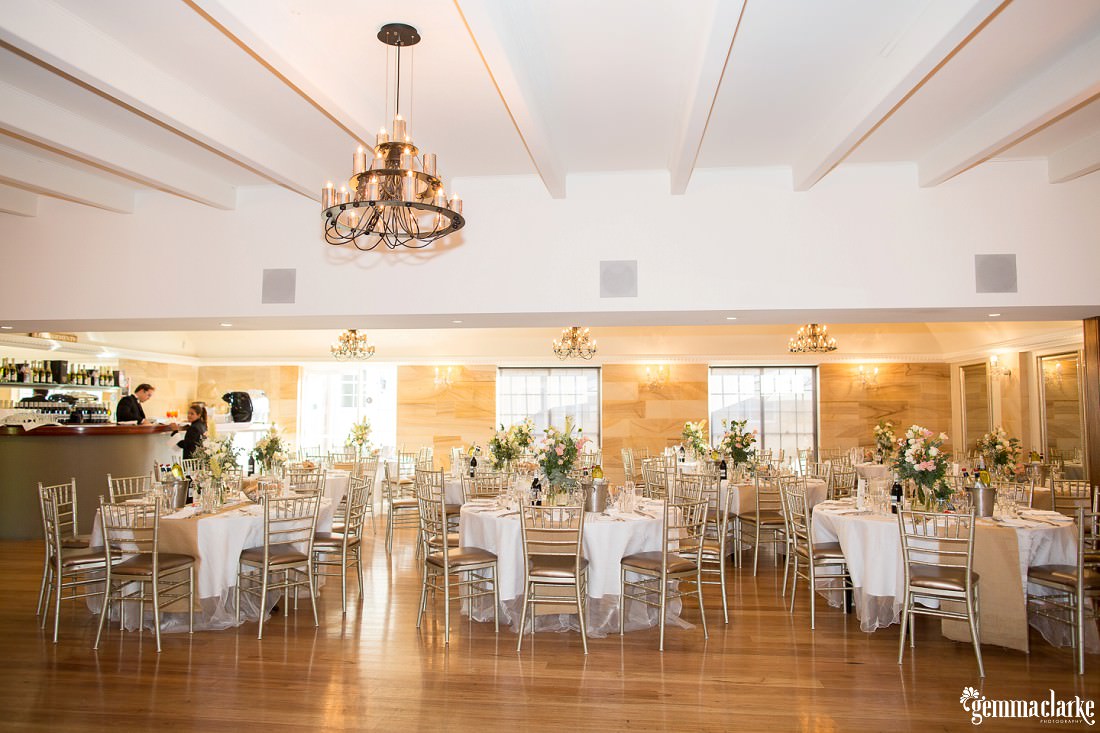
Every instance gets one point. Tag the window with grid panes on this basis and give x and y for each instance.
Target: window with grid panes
(779, 402)
(548, 396)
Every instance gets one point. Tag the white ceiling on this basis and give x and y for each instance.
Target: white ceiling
(199, 97)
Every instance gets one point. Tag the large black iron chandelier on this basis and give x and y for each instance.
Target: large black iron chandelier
(575, 341)
(812, 338)
(396, 197)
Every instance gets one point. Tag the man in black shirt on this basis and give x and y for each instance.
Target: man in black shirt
(129, 407)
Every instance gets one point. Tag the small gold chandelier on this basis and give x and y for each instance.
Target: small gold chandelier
(812, 338)
(352, 346)
(395, 197)
(575, 341)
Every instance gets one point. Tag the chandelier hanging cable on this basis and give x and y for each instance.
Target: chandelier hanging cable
(352, 346)
(397, 197)
(575, 341)
(812, 338)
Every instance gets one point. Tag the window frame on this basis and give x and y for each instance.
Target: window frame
(595, 435)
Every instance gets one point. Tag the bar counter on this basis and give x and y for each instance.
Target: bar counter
(54, 454)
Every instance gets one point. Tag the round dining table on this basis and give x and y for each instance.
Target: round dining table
(608, 537)
(1003, 551)
(216, 541)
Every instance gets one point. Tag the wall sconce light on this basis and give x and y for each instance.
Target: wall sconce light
(997, 369)
(444, 377)
(656, 376)
(867, 378)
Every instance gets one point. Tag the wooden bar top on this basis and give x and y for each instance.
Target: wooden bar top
(85, 429)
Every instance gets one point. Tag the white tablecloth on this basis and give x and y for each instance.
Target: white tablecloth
(606, 542)
(336, 484)
(216, 542)
(873, 470)
(871, 544)
(744, 499)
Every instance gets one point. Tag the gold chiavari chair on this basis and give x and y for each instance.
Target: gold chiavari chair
(1073, 589)
(306, 480)
(822, 472)
(406, 465)
(127, 488)
(843, 482)
(805, 459)
(284, 561)
(347, 543)
(785, 482)
(458, 461)
(1069, 495)
(655, 477)
(678, 559)
(1020, 492)
(937, 552)
(133, 531)
(766, 523)
(630, 467)
(191, 466)
(424, 454)
(555, 571)
(809, 556)
(399, 498)
(588, 460)
(484, 485)
(718, 539)
(70, 572)
(433, 483)
(452, 570)
(64, 499)
(366, 470)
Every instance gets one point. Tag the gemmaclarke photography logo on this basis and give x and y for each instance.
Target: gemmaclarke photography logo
(1045, 710)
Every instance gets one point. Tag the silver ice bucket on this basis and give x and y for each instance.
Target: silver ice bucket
(595, 495)
(174, 492)
(982, 499)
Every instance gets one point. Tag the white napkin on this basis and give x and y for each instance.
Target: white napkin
(186, 513)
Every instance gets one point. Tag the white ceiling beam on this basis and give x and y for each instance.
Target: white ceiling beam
(229, 23)
(17, 201)
(709, 70)
(497, 30)
(942, 28)
(1076, 160)
(32, 173)
(1060, 88)
(27, 116)
(57, 38)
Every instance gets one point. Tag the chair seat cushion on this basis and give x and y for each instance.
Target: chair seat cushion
(143, 564)
(461, 557)
(278, 555)
(1064, 575)
(75, 542)
(81, 556)
(332, 539)
(561, 567)
(651, 562)
(765, 517)
(932, 578)
(452, 509)
(405, 503)
(822, 551)
(452, 540)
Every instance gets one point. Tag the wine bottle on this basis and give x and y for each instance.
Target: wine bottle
(251, 464)
(597, 471)
(536, 492)
(683, 455)
(895, 496)
(473, 466)
(723, 470)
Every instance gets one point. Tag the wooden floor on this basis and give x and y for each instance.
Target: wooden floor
(373, 670)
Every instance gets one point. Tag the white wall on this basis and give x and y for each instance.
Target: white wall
(867, 237)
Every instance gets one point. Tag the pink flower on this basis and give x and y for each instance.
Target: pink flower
(559, 450)
(926, 433)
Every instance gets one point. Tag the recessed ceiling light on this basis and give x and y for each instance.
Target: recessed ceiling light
(731, 318)
(456, 321)
(226, 325)
(7, 328)
(994, 315)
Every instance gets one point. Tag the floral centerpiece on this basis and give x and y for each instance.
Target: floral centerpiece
(270, 450)
(359, 437)
(694, 436)
(921, 458)
(885, 440)
(1002, 453)
(737, 442)
(557, 453)
(508, 445)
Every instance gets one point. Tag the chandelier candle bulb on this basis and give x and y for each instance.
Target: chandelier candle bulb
(429, 163)
(372, 189)
(327, 196)
(408, 187)
(344, 197)
(440, 198)
(407, 160)
(456, 204)
(359, 161)
(399, 129)
(381, 137)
